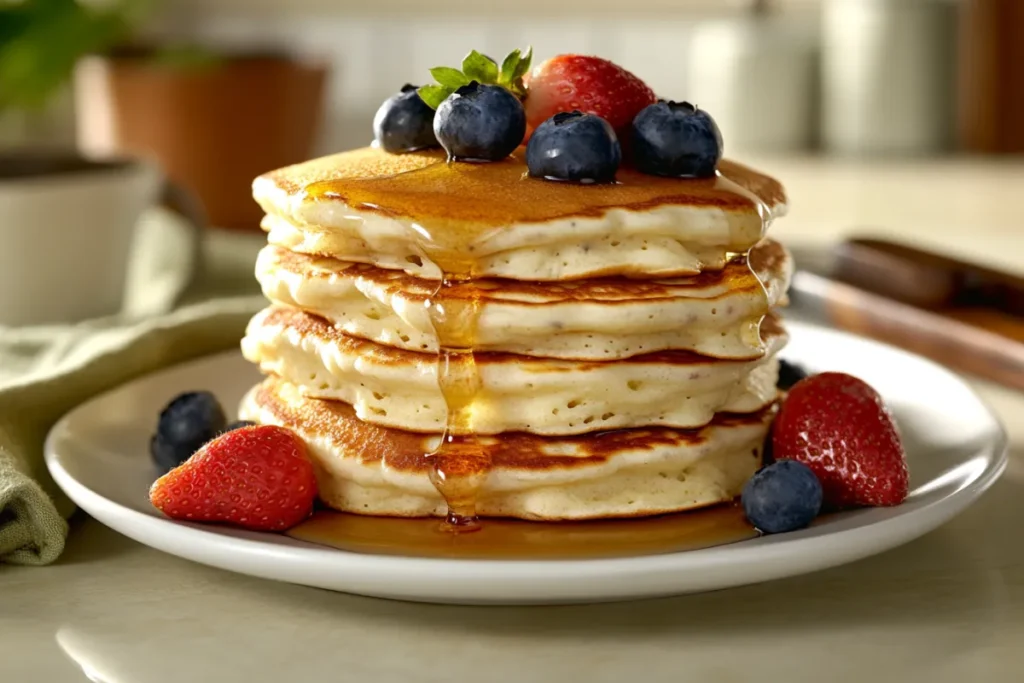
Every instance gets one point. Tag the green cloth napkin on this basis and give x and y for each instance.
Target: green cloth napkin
(47, 371)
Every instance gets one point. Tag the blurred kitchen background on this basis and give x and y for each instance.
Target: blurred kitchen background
(842, 77)
(894, 113)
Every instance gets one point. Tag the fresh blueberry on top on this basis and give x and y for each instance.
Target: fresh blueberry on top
(789, 374)
(185, 425)
(676, 139)
(784, 496)
(574, 146)
(480, 123)
(404, 123)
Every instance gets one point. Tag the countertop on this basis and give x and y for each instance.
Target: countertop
(947, 607)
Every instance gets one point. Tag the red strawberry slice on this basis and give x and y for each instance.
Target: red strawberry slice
(838, 426)
(255, 477)
(590, 84)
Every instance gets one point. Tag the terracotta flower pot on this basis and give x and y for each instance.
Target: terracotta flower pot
(213, 127)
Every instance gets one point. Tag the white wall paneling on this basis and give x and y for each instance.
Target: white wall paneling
(377, 46)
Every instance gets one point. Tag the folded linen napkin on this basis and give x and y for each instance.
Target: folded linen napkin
(47, 371)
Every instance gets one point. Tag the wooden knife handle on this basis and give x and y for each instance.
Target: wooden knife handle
(987, 350)
(925, 279)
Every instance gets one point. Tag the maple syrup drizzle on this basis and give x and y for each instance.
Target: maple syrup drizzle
(764, 212)
(729, 186)
(459, 464)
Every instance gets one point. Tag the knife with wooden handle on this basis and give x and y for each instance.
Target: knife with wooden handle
(965, 316)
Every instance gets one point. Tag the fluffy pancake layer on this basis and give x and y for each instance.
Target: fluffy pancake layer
(415, 213)
(397, 388)
(625, 354)
(368, 469)
(714, 313)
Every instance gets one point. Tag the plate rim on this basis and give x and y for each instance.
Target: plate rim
(162, 533)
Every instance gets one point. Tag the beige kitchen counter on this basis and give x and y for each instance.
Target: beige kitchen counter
(948, 607)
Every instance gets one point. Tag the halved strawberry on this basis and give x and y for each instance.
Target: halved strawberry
(838, 426)
(590, 84)
(254, 477)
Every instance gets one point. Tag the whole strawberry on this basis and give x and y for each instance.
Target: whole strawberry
(254, 477)
(838, 426)
(589, 84)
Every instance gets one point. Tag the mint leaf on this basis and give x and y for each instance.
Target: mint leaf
(509, 66)
(434, 95)
(524, 63)
(482, 69)
(449, 77)
(479, 68)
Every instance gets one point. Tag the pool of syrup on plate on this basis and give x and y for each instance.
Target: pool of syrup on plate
(508, 539)
(459, 465)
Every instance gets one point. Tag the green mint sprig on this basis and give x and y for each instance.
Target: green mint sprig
(482, 69)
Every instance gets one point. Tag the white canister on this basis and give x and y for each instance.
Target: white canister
(756, 76)
(888, 76)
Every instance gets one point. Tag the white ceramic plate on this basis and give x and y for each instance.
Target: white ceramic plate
(956, 449)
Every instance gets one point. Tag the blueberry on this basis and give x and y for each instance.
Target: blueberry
(784, 496)
(404, 123)
(676, 139)
(480, 122)
(185, 424)
(789, 374)
(574, 146)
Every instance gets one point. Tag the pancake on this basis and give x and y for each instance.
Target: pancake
(715, 314)
(397, 388)
(367, 469)
(414, 212)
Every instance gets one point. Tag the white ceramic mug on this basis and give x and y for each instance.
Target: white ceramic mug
(66, 229)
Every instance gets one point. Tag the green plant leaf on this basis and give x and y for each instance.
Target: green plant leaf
(40, 41)
(480, 68)
(449, 77)
(434, 95)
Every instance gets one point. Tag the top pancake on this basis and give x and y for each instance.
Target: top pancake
(416, 213)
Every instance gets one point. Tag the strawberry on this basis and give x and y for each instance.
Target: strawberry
(838, 426)
(589, 84)
(254, 477)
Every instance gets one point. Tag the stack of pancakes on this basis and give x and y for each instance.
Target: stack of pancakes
(610, 350)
